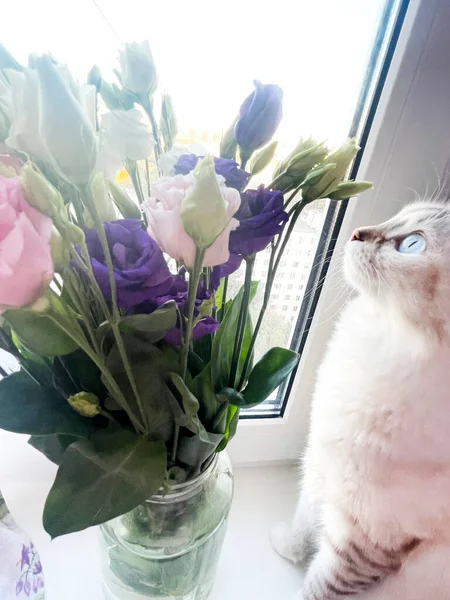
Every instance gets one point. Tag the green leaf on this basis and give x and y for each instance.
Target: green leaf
(233, 396)
(223, 344)
(149, 366)
(203, 389)
(194, 451)
(188, 417)
(52, 446)
(83, 372)
(231, 427)
(268, 374)
(38, 333)
(102, 478)
(152, 327)
(26, 407)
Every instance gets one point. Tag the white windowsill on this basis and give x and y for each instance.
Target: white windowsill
(248, 566)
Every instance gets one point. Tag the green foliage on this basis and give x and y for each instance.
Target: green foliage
(27, 407)
(268, 374)
(152, 327)
(102, 478)
(223, 344)
(39, 333)
(52, 446)
(150, 367)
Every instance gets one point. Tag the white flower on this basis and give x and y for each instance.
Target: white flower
(123, 135)
(21, 100)
(168, 160)
(138, 69)
(52, 118)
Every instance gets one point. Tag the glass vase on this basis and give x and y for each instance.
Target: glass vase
(169, 547)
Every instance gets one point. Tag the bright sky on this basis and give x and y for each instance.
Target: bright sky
(209, 52)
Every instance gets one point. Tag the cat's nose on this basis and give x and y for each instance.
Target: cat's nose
(357, 236)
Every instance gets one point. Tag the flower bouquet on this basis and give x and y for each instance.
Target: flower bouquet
(134, 360)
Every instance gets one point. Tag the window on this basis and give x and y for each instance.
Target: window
(293, 275)
(295, 265)
(264, 274)
(285, 307)
(287, 297)
(266, 263)
(396, 113)
(290, 287)
(298, 297)
(277, 286)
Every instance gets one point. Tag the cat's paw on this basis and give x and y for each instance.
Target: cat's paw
(281, 540)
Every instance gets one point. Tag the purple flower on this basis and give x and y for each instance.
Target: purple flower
(260, 217)
(37, 567)
(259, 117)
(179, 293)
(229, 169)
(140, 271)
(19, 587)
(25, 556)
(232, 265)
(27, 587)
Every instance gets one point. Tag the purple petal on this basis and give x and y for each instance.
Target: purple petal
(259, 116)
(25, 556)
(261, 216)
(19, 587)
(229, 169)
(140, 270)
(27, 587)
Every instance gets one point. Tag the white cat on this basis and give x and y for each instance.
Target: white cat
(375, 502)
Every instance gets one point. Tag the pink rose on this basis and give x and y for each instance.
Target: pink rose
(26, 266)
(163, 212)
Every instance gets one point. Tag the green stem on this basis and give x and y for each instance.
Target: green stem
(129, 372)
(274, 182)
(133, 172)
(224, 300)
(242, 319)
(176, 436)
(115, 308)
(194, 278)
(147, 175)
(273, 267)
(147, 106)
(291, 197)
(78, 301)
(109, 380)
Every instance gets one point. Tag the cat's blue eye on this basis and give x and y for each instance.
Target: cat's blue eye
(412, 244)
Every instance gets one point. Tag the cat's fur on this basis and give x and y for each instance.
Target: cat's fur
(375, 500)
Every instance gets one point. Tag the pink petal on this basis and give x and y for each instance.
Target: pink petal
(33, 271)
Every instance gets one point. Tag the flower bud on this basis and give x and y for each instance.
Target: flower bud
(262, 158)
(328, 182)
(259, 117)
(59, 251)
(72, 233)
(124, 203)
(39, 193)
(228, 144)
(292, 170)
(168, 125)
(95, 77)
(72, 153)
(138, 69)
(85, 403)
(347, 189)
(103, 202)
(204, 210)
